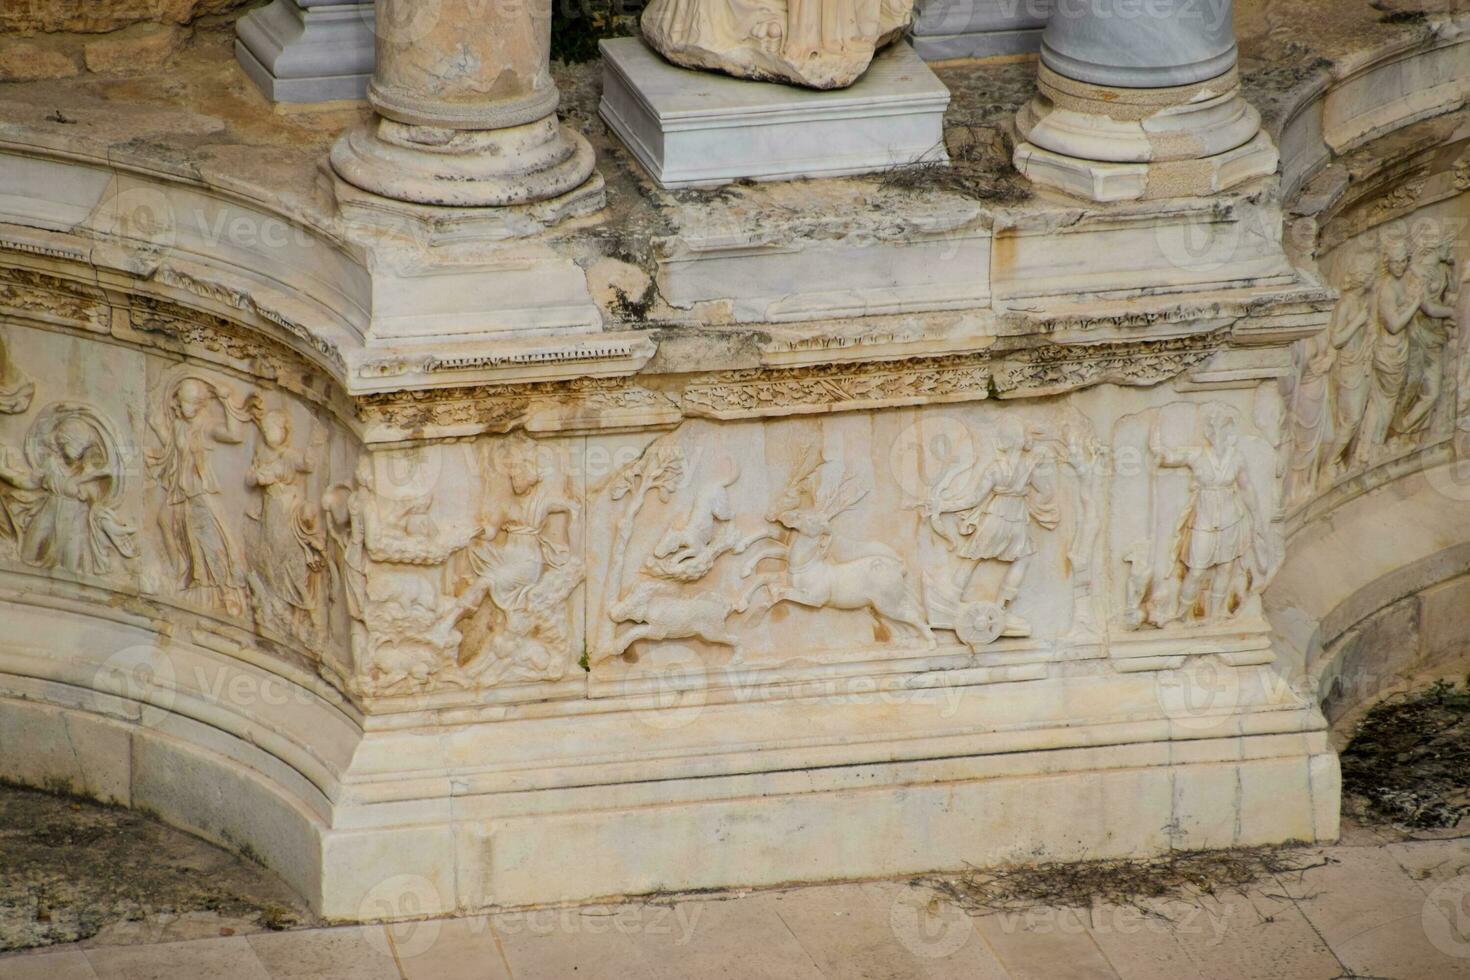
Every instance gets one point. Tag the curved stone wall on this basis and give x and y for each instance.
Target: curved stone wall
(1372, 597)
(270, 575)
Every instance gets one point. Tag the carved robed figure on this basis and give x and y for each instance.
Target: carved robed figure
(824, 44)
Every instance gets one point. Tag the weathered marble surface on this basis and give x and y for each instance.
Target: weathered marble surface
(325, 545)
(697, 129)
(822, 44)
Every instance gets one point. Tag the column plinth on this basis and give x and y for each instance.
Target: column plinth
(466, 112)
(1132, 108)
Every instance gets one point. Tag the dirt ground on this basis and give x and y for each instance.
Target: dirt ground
(71, 870)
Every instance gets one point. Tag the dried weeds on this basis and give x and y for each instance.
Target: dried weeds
(1409, 760)
(1189, 877)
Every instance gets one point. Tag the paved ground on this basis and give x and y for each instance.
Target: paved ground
(1371, 907)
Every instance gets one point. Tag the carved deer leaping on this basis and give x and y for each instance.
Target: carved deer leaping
(824, 572)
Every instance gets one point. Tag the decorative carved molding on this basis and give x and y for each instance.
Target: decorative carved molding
(246, 303)
(1050, 369)
(556, 405)
(738, 394)
(31, 294)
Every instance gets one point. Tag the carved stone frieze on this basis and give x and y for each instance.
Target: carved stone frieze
(1371, 387)
(544, 406)
(850, 386)
(47, 298)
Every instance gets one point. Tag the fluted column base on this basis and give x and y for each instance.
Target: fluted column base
(1122, 144)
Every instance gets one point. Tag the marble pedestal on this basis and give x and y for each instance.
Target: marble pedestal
(307, 50)
(700, 129)
(978, 28)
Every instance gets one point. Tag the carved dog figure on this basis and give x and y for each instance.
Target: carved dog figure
(660, 614)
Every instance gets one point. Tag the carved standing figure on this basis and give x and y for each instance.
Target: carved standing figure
(823, 44)
(1433, 323)
(61, 503)
(1215, 543)
(1309, 413)
(288, 549)
(1397, 299)
(1351, 334)
(199, 545)
(348, 510)
(1015, 490)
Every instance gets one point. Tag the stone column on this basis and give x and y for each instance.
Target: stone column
(466, 110)
(1141, 99)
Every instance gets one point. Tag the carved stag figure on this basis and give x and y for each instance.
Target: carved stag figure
(822, 572)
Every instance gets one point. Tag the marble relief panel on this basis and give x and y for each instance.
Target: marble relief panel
(189, 486)
(462, 565)
(1195, 529)
(71, 476)
(1380, 382)
(845, 538)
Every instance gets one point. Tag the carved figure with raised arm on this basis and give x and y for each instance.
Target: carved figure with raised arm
(196, 415)
(59, 504)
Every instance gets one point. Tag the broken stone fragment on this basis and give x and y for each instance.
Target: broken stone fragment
(823, 44)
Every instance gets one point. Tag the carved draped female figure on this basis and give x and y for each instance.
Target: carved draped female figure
(1429, 332)
(203, 552)
(289, 545)
(1396, 302)
(1219, 539)
(1351, 336)
(824, 44)
(60, 507)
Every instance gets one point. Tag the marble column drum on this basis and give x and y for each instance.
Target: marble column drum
(1140, 101)
(466, 110)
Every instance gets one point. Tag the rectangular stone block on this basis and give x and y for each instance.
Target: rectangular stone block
(978, 28)
(702, 129)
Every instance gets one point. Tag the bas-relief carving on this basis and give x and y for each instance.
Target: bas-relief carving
(525, 564)
(285, 539)
(975, 518)
(57, 506)
(467, 605)
(194, 416)
(1194, 518)
(827, 569)
(1370, 387)
(821, 44)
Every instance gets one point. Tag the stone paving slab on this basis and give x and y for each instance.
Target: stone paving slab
(1383, 909)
